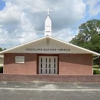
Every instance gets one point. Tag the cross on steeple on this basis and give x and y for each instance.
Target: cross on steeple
(48, 24)
(48, 11)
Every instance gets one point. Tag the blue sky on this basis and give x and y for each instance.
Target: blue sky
(2, 4)
(23, 20)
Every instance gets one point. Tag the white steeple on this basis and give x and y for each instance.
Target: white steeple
(48, 24)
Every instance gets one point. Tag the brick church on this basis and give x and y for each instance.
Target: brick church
(48, 56)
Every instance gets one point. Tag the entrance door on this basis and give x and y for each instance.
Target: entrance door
(48, 64)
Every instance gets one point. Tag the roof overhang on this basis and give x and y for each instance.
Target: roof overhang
(54, 43)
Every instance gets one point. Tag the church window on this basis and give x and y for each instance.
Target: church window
(19, 59)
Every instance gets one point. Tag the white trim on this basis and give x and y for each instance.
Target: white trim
(21, 45)
(86, 50)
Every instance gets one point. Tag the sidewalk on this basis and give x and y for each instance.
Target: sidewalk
(49, 91)
(49, 85)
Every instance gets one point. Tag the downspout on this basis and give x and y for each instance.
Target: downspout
(95, 57)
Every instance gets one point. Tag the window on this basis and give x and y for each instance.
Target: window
(19, 59)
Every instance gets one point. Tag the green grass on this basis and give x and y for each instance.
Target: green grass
(96, 69)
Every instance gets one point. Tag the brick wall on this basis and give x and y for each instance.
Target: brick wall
(75, 64)
(51, 78)
(28, 68)
(69, 64)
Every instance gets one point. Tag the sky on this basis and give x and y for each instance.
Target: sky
(22, 21)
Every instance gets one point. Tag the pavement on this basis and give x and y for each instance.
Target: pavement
(49, 91)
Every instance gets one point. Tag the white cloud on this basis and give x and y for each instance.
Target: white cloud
(94, 7)
(66, 34)
(10, 14)
(23, 20)
(28, 32)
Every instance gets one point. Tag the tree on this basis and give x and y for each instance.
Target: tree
(89, 36)
(0, 49)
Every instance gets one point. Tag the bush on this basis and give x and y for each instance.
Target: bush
(1, 69)
(95, 66)
(96, 71)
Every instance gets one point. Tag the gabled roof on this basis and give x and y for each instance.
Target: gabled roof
(5, 51)
(78, 49)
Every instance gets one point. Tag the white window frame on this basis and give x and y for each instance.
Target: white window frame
(19, 59)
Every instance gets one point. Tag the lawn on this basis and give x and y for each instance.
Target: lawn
(96, 69)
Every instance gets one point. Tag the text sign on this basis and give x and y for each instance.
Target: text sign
(46, 49)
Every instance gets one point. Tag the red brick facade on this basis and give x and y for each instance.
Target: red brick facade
(75, 64)
(28, 68)
(69, 64)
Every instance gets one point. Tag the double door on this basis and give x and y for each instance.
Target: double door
(48, 64)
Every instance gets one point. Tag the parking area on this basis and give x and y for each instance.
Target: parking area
(49, 91)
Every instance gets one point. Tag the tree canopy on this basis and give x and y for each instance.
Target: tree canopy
(89, 35)
(1, 49)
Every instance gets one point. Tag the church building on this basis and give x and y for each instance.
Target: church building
(48, 56)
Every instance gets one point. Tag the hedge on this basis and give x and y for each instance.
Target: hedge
(1, 69)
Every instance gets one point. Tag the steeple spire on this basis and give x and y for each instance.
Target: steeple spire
(48, 24)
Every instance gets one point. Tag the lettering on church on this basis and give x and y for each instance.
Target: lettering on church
(46, 49)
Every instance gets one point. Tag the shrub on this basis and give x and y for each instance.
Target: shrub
(95, 66)
(96, 71)
(1, 69)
